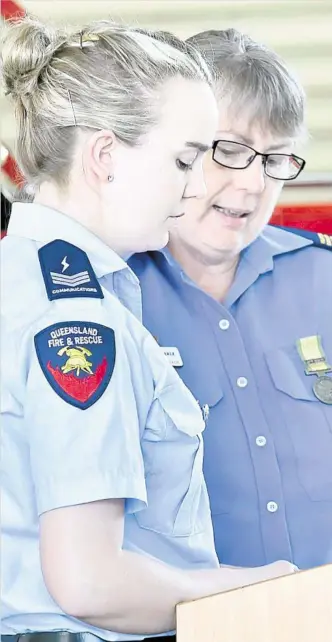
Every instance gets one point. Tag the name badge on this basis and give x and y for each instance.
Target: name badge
(173, 357)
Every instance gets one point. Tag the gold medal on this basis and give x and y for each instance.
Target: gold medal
(312, 355)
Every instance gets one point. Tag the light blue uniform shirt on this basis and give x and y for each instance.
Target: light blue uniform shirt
(140, 441)
(268, 440)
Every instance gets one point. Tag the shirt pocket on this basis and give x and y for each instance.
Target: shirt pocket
(173, 458)
(308, 422)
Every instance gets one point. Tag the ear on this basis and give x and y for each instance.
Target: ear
(97, 156)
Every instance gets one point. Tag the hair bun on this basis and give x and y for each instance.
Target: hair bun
(27, 46)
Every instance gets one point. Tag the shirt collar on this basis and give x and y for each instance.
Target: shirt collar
(271, 242)
(256, 259)
(43, 224)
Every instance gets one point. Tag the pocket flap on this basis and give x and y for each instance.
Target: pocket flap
(287, 372)
(204, 385)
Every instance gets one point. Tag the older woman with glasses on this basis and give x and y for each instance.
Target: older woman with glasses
(243, 311)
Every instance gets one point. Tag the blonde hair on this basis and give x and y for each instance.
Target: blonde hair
(106, 76)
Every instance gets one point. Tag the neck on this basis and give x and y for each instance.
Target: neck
(214, 278)
(63, 201)
(81, 207)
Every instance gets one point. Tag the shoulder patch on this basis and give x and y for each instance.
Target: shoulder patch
(77, 359)
(67, 272)
(318, 238)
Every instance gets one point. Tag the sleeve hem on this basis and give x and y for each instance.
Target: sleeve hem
(92, 489)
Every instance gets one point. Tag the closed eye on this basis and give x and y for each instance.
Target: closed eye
(229, 151)
(278, 160)
(184, 166)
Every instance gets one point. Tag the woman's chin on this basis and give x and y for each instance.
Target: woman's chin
(229, 242)
(158, 242)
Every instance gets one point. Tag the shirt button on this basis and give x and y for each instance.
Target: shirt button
(224, 324)
(261, 440)
(242, 382)
(272, 507)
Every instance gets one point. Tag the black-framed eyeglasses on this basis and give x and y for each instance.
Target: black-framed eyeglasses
(282, 167)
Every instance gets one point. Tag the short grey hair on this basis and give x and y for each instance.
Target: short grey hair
(104, 76)
(252, 79)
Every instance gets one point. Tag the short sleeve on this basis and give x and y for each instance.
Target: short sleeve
(81, 418)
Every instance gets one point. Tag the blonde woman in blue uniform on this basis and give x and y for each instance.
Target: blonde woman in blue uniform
(105, 515)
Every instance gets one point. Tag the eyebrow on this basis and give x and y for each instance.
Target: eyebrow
(248, 141)
(275, 148)
(200, 146)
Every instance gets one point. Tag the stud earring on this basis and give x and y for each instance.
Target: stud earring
(110, 178)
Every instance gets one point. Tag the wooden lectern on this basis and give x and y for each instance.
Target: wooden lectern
(293, 608)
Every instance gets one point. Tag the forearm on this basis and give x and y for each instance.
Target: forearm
(93, 579)
(142, 597)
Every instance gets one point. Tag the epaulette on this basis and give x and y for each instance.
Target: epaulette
(318, 238)
(67, 272)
